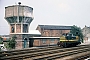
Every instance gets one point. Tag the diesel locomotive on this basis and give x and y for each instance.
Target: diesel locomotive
(69, 40)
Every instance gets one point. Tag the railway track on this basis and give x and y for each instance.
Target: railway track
(16, 52)
(47, 53)
(60, 55)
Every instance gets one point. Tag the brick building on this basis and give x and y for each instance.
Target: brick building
(51, 31)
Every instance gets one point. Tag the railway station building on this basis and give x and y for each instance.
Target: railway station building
(51, 31)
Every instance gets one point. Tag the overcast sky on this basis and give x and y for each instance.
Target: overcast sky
(51, 12)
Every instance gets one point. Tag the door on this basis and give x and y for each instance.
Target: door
(31, 41)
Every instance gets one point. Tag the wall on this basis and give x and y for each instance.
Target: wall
(86, 33)
(50, 33)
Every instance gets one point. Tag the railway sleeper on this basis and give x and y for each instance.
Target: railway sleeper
(78, 56)
(22, 52)
(5, 53)
(65, 54)
(38, 53)
(60, 56)
(21, 57)
(16, 53)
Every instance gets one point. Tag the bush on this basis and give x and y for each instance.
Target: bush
(12, 43)
(77, 32)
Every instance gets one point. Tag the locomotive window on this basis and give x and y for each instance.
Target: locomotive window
(73, 37)
(70, 37)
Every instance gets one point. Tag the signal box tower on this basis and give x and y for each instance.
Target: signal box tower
(19, 18)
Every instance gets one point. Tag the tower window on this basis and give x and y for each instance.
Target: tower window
(12, 29)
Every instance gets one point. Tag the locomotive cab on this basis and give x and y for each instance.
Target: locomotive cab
(68, 40)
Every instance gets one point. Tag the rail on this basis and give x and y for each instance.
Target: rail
(47, 53)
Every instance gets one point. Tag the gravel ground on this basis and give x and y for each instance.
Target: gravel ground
(86, 42)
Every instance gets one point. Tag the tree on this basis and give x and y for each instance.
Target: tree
(12, 42)
(77, 32)
(1, 40)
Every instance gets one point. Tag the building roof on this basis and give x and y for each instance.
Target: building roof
(44, 37)
(54, 27)
(31, 32)
(35, 32)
